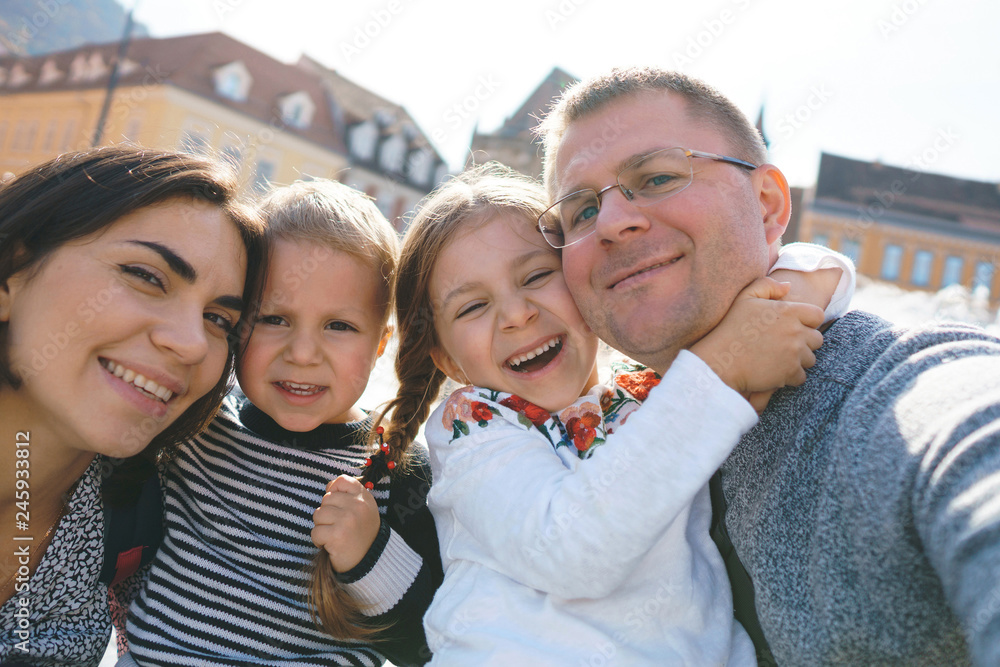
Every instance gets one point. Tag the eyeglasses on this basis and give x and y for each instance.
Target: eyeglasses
(646, 181)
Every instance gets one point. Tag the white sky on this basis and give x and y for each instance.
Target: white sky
(896, 80)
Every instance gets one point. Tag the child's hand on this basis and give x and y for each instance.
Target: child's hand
(815, 287)
(347, 522)
(762, 343)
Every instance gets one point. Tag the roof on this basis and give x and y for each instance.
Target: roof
(524, 120)
(358, 104)
(908, 192)
(188, 62)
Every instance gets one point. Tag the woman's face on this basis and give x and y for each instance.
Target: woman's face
(118, 333)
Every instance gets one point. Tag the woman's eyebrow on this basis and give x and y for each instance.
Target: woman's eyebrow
(177, 264)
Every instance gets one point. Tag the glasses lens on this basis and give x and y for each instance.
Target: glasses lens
(548, 225)
(656, 176)
(575, 215)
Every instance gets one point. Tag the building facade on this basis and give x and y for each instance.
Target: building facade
(917, 230)
(514, 143)
(210, 94)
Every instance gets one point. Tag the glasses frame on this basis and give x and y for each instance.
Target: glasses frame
(628, 194)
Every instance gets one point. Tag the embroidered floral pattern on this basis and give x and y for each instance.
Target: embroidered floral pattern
(583, 426)
(536, 415)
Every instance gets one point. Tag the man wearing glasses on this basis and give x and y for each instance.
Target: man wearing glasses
(865, 505)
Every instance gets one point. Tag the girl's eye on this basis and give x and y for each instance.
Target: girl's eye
(143, 274)
(538, 275)
(274, 320)
(220, 321)
(340, 326)
(469, 309)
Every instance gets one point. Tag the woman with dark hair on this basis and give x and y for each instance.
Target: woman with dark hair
(125, 274)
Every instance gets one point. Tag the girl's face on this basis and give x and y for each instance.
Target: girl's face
(504, 318)
(116, 334)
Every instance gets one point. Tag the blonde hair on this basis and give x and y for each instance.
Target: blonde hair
(705, 104)
(340, 218)
(343, 219)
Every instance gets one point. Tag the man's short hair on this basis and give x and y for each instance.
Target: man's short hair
(706, 104)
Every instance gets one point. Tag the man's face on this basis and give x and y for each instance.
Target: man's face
(652, 281)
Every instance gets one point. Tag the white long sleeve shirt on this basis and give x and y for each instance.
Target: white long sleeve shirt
(550, 560)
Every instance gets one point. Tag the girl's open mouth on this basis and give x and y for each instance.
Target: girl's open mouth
(536, 359)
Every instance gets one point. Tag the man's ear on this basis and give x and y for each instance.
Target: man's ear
(447, 365)
(775, 201)
(386, 335)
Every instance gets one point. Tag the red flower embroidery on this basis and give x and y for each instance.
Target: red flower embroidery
(582, 430)
(638, 383)
(535, 414)
(481, 411)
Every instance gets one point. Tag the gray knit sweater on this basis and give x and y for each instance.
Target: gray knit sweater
(865, 504)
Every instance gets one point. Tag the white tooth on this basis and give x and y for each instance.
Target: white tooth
(150, 386)
(118, 369)
(164, 393)
(139, 380)
(532, 354)
(128, 375)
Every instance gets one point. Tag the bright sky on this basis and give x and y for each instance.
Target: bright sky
(908, 82)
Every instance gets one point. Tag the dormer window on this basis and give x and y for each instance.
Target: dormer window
(362, 138)
(18, 76)
(78, 68)
(49, 73)
(418, 167)
(233, 81)
(297, 109)
(393, 152)
(96, 67)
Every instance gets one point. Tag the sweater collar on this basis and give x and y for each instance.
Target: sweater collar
(324, 436)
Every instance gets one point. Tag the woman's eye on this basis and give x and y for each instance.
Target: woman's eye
(142, 274)
(220, 321)
(274, 320)
(340, 326)
(538, 275)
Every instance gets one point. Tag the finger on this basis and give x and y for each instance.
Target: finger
(808, 314)
(344, 484)
(765, 288)
(807, 359)
(760, 399)
(814, 339)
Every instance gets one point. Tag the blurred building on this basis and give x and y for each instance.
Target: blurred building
(208, 93)
(915, 229)
(389, 157)
(514, 144)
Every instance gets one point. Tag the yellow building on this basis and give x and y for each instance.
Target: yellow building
(205, 93)
(917, 230)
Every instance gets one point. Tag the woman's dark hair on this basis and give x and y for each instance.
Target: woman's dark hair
(78, 194)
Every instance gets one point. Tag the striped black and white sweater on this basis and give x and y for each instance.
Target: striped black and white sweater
(228, 585)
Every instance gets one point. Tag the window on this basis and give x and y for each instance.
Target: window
(297, 109)
(263, 176)
(821, 239)
(363, 138)
(852, 249)
(922, 261)
(982, 280)
(24, 136)
(233, 81)
(891, 260)
(952, 271)
(194, 142)
(393, 152)
(69, 135)
(48, 144)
